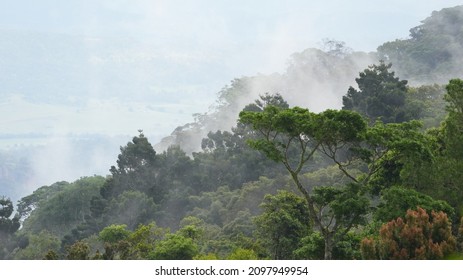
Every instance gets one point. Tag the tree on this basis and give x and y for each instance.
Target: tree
(175, 247)
(292, 136)
(242, 254)
(312, 247)
(397, 200)
(29, 203)
(115, 241)
(225, 153)
(135, 171)
(61, 207)
(39, 246)
(7, 225)
(121, 243)
(380, 95)
(430, 54)
(426, 103)
(283, 223)
(439, 174)
(418, 236)
(131, 208)
(390, 150)
(453, 125)
(78, 251)
(114, 233)
(144, 239)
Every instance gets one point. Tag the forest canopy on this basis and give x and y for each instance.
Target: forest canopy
(380, 178)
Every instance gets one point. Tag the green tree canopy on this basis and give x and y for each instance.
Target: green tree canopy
(283, 223)
(175, 247)
(397, 200)
(135, 171)
(380, 95)
(292, 136)
(453, 125)
(432, 53)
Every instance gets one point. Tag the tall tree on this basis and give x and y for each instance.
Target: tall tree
(440, 175)
(292, 136)
(453, 125)
(135, 170)
(380, 95)
(284, 222)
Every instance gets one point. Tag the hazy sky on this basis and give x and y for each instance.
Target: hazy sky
(247, 35)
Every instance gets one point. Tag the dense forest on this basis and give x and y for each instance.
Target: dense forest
(380, 178)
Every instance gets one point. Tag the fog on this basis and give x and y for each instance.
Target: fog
(79, 78)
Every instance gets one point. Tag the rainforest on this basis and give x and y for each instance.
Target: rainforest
(262, 177)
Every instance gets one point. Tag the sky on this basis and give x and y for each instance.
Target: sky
(248, 36)
(184, 53)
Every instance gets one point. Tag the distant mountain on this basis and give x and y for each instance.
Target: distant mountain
(434, 51)
(317, 79)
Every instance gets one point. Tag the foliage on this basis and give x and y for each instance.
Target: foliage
(51, 255)
(144, 240)
(453, 125)
(29, 203)
(242, 254)
(209, 256)
(135, 171)
(312, 247)
(121, 243)
(283, 223)
(38, 247)
(60, 207)
(432, 53)
(78, 251)
(7, 225)
(426, 103)
(345, 205)
(439, 175)
(175, 247)
(397, 200)
(131, 208)
(392, 148)
(337, 161)
(418, 236)
(380, 95)
(114, 233)
(226, 154)
(292, 137)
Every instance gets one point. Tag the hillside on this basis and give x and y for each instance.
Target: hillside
(317, 79)
(339, 157)
(432, 53)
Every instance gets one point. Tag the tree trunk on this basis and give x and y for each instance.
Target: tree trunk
(328, 246)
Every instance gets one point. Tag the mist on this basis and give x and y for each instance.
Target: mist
(79, 79)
